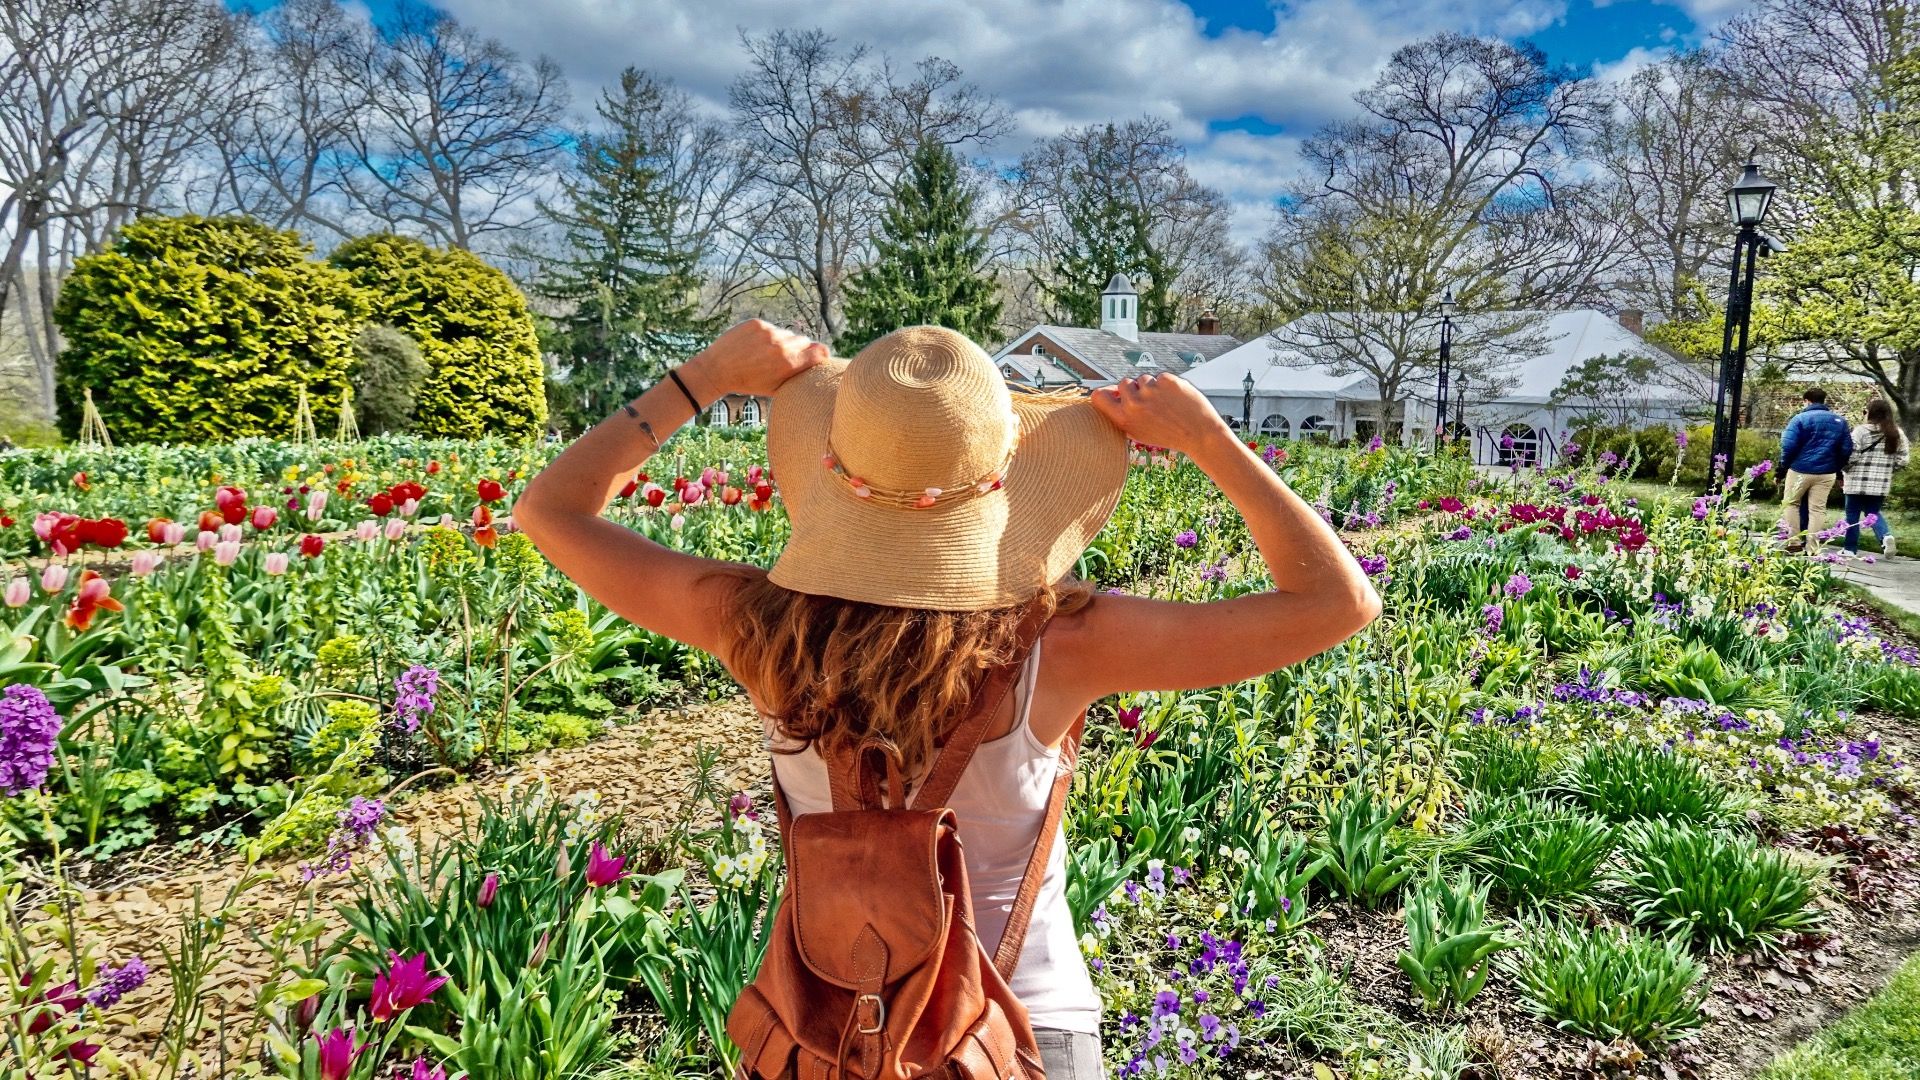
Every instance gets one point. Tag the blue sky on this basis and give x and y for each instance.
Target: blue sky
(1241, 81)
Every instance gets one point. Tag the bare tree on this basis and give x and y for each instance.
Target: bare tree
(828, 131)
(450, 134)
(1451, 178)
(280, 157)
(101, 104)
(1668, 143)
(1137, 165)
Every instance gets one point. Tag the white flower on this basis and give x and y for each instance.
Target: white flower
(1190, 835)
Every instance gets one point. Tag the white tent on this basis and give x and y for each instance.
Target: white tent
(1294, 395)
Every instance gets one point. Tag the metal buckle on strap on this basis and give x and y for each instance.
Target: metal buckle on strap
(879, 1014)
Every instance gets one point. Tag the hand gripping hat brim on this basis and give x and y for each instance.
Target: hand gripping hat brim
(925, 409)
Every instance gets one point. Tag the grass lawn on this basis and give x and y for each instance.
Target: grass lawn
(1880, 1040)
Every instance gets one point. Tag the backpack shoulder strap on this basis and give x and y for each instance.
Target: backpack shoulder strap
(1007, 954)
(966, 737)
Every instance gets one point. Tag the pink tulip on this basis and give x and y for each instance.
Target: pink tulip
(446, 521)
(316, 505)
(693, 493)
(230, 534)
(264, 517)
(275, 563)
(144, 563)
(410, 508)
(53, 578)
(403, 985)
(489, 888)
(678, 522)
(754, 473)
(18, 592)
(423, 1071)
(709, 475)
(366, 531)
(396, 528)
(337, 1053)
(206, 540)
(602, 868)
(225, 552)
(172, 533)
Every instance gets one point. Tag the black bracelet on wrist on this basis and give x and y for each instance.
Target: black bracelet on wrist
(674, 374)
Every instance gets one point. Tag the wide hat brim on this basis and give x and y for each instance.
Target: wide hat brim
(993, 550)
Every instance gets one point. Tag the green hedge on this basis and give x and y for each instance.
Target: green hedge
(485, 375)
(192, 329)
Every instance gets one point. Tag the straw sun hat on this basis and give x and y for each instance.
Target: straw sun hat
(914, 477)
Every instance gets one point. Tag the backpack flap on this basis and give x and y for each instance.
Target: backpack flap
(861, 875)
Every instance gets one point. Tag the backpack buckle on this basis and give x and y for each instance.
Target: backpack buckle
(879, 1014)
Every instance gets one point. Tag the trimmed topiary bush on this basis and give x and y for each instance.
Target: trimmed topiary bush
(386, 384)
(192, 329)
(472, 325)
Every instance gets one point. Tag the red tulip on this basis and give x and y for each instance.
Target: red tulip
(402, 986)
(631, 486)
(80, 481)
(65, 997)
(1146, 738)
(1129, 718)
(264, 517)
(763, 492)
(311, 546)
(491, 491)
(157, 530)
(602, 868)
(655, 494)
(235, 514)
(104, 533)
(1573, 573)
(94, 594)
(229, 496)
(5, 522)
(405, 490)
(210, 521)
(381, 504)
(433, 467)
(730, 495)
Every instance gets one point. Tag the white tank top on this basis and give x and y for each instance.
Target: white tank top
(999, 802)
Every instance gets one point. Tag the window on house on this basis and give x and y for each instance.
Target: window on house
(750, 412)
(1039, 349)
(717, 414)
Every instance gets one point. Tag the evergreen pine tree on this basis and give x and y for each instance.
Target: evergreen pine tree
(626, 288)
(927, 262)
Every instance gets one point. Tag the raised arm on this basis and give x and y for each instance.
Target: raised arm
(1320, 596)
(648, 584)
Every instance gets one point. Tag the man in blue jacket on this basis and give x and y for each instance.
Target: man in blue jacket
(1813, 450)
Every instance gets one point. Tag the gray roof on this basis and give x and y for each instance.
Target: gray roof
(1118, 357)
(1119, 284)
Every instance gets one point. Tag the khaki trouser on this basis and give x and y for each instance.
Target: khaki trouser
(1813, 487)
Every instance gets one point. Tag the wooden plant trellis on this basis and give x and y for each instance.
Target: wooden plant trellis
(303, 429)
(347, 429)
(93, 429)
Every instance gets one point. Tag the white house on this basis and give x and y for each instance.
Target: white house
(1048, 355)
(1293, 396)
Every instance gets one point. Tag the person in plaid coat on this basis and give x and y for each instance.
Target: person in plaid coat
(1879, 450)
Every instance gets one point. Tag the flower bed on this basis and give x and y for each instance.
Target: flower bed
(1473, 809)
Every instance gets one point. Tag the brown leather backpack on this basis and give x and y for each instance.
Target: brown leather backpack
(873, 970)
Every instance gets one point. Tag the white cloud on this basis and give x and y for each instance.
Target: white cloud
(1053, 64)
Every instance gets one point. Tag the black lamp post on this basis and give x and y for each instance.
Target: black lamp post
(1246, 404)
(1446, 306)
(1460, 408)
(1747, 201)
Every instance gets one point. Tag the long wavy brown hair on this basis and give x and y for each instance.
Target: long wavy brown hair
(834, 672)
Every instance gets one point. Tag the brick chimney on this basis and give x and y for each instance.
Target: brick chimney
(1207, 323)
(1633, 319)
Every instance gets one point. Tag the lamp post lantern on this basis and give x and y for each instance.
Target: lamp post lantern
(1460, 407)
(1747, 202)
(1246, 403)
(1446, 305)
